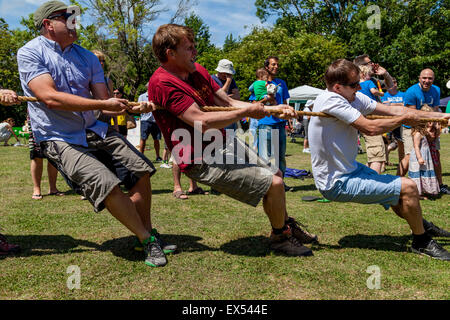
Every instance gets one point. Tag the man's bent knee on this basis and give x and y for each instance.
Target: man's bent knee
(409, 188)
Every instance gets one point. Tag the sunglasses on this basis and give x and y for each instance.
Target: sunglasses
(116, 92)
(65, 15)
(353, 85)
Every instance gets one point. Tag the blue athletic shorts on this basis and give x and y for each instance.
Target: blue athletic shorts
(365, 185)
(148, 128)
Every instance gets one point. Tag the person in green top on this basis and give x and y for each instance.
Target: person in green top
(260, 88)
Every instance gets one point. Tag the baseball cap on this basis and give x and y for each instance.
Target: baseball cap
(225, 66)
(45, 10)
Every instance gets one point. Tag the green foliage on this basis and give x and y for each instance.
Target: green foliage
(303, 59)
(10, 42)
(413, 35)
(201, 30)
(230, 43)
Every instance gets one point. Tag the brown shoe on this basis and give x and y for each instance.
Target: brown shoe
(288, 244)
(302, 235)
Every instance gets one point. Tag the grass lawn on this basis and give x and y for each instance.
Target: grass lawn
(223, 244)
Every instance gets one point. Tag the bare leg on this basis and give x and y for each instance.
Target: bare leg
(177, 179)
(409, 208)
(142, 146)
(165, 155)
(52, 174)
(401, 155)
(36, 168)
(192, 185)
(157, 147)
(438, 169)
(274, 203)
(123, 209)
(141, 196)
(404, 165)
(376, 165)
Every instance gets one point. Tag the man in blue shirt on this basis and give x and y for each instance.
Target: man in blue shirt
(272, 124)
(69, 82)
(426, 93)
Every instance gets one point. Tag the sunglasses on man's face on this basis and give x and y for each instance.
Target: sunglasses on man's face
(353, 85)
(116, 92)
(65, 15)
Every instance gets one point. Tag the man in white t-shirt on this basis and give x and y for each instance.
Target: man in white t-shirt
(333, 145)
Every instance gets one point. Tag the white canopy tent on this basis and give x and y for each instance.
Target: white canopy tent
(303, 93)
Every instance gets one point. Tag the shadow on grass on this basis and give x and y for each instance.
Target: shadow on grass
(161, 191)
(40, 245)
(124, 247)
(376, 242)
(260, 247)
(249, 246)
(309, 187)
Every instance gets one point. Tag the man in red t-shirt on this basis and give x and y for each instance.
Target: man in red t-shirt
(181, 86)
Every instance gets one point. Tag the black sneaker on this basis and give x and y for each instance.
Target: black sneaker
(433, 250)
(155, 255)
(158, 159)
(434, 231)
(286, 243)
(167, 248)
(443, 189)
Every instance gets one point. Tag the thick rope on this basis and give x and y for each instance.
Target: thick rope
(272, 110)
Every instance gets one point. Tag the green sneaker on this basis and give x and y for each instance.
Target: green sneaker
(155, 255)
(167, 248)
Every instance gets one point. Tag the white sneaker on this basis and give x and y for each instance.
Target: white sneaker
(165, 165)
(306, 150)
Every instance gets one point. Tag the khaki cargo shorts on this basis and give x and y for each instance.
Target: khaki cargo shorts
(95, 170)
(242, 175)
(375, 148)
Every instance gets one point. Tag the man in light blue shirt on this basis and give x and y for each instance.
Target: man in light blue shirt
(69, 82)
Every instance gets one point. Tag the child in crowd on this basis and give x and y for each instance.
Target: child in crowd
(259, 89)
(424, 157)
(6, 130)
(263, 92)
(367, 85)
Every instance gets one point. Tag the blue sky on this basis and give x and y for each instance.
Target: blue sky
(222, 16)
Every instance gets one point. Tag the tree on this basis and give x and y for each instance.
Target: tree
(10, 42)
(201, 31)
(130, 60)
(230, 43)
